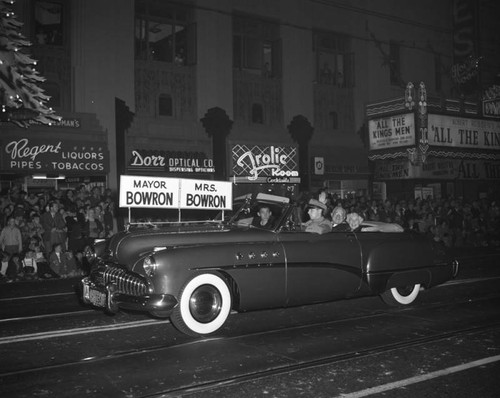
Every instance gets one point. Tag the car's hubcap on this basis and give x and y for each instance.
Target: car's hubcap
(205, 303)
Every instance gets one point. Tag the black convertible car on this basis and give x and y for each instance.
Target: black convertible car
(196, 273)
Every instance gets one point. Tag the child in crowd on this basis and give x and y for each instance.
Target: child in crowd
(63, 263)
(44, 269)
(71, 264)
(4, 256)
(57, 260)
(30, 267)
(34, 227)
(15, 268)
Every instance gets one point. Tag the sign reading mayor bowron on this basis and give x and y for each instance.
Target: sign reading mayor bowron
(174, 193)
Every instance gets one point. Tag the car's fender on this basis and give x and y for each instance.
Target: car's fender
(407, 260)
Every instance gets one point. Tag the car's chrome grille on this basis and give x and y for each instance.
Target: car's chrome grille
(125, 282)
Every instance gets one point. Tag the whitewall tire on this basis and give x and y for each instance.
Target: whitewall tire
(204, 305)
(401, 295)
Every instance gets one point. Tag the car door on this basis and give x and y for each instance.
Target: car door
(259, 270)
(320, 267)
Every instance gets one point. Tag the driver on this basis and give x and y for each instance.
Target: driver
(264, 218)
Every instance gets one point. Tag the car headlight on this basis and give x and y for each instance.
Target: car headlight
(90, 253)
(149, 265)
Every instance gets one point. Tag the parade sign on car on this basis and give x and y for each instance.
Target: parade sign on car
(175, 193)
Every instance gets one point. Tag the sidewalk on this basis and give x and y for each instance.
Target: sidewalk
(39, 287)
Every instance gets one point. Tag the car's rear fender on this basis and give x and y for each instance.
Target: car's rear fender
(380, 282)
(399, 263)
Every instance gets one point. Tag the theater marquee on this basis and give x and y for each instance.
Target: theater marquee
(459, 132)
(392, 131)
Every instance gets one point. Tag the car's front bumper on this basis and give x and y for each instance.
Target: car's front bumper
(110, 297)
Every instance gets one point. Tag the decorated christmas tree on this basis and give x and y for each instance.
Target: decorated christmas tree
(22, 101)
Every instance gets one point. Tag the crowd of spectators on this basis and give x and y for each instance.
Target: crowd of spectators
(44, 235)
(454, 222)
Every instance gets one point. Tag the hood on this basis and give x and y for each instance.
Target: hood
(127, 247)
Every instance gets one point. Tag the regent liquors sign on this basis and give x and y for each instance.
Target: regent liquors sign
(25, 155)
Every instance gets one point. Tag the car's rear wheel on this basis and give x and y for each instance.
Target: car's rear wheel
(204, 305)
(401, 295)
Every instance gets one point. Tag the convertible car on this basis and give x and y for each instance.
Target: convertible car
(197, 273)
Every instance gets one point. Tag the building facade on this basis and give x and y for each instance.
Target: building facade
(140, 75)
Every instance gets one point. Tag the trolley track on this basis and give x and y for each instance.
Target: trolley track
(288, 364)
(258, 351)
(204, 387)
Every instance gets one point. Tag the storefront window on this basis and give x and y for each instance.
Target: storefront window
(48, 23)
(164, 33)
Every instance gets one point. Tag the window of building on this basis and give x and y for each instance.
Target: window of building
(394, 63)
(334, 61)
(54, 92)
(48, 23)
(165, 105)
(164, 32)
(256, 46)
(257, 114)
(438, 66)
(334, 120)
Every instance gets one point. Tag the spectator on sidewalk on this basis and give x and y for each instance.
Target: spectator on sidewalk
(75, 223)
(11, 240)
(54, 227)
(93, 228)
(43, 266)
(4, 258)
(35, 228)
(15, 268)
(57, 260)
(30, 268)
(72, 268)
(109, 218)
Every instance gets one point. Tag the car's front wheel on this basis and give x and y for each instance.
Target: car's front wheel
(401, 295)
(204, 305)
